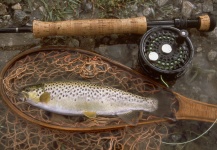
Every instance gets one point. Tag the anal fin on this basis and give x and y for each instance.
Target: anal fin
(130, 117)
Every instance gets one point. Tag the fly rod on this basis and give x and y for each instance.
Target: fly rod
(137, 25)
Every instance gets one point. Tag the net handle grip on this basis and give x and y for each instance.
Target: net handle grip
(90, 27)
(190, 109)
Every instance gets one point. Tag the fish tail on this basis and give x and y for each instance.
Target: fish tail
(164, 104)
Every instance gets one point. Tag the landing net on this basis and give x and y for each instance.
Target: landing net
(63, 64)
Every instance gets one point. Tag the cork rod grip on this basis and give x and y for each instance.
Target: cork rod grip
(90, 27)
(195, 110)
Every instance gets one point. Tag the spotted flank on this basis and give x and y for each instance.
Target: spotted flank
(81, 98)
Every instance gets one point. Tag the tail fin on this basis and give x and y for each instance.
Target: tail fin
(165, 100)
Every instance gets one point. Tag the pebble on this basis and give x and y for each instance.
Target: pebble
(20, 17)
(146, 11)
(176, 137)
(134, 8)
(6, 17)
(199, 49)
(36, 15)
(196, 90)
(87, 6)
(3, 9)
(17, 6)
(42, 9)
(87, 43)
(162, 2)
(198, 9)
(211, 55)
(207, 6)
(74, 43)
(187, 8)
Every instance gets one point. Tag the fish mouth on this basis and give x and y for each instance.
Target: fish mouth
(22, 96)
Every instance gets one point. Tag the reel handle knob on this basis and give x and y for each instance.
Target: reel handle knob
(183, 34)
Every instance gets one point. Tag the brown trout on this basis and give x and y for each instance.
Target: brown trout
(80, 98)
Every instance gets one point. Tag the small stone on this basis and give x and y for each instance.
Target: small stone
(187, 8)
(198, 9)
(6, 17)
(146, 11)
(196, 89)
(199, 49)
(86, 6)
(17, 6)
(208, 6)
(176, 137)
(212, 55)
(74, 43)
(36, 15)
(87, 43)
(134, 8)
(3, 9)
(161, 2)
(20, 17)
(42, 9)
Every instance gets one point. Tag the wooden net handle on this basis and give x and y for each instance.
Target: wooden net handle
(195, 110)
(90, 27)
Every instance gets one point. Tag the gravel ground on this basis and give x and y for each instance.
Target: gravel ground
(199, 82)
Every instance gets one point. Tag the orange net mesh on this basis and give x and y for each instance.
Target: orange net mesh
(59, 64)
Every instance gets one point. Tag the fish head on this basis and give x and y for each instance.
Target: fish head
(31, 93)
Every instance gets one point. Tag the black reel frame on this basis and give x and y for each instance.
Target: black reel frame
(165, 52)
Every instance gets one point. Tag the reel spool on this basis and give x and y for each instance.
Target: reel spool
(166, 52)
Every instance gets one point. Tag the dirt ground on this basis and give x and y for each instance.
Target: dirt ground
(199, 82)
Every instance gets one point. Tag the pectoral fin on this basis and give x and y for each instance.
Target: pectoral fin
(130, 117)
(90, 114)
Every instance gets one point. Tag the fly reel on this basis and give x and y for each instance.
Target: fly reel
(165, 52)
